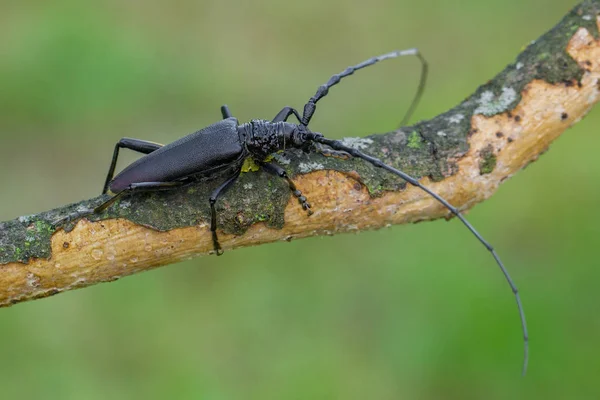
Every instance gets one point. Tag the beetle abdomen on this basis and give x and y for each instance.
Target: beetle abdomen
(217, 144)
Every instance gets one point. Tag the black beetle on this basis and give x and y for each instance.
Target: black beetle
(225, 145)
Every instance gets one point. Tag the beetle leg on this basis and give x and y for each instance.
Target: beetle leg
(280, 172)
(225, 112)
(327, 152)
(134, 187)
(141, 146)
(139, 187)
(285, 113)
(213, 212)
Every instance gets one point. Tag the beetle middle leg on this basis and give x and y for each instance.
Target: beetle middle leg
(141, 146)
(213, 212)
(280, 172)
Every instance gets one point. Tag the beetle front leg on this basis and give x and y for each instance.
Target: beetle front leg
(285, 113)
(327, 152)
(213, 212)
(280, 172)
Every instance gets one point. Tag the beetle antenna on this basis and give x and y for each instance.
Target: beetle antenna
(310, 107)
(420, 89)
(338, 145)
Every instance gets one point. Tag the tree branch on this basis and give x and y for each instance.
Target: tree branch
(463, 154)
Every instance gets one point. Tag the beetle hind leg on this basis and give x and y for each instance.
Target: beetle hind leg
(134, 187)
(72, 217)
(139, 187)
(141, 146)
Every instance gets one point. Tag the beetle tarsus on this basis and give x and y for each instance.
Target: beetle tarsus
(71, 217)
(216, 245)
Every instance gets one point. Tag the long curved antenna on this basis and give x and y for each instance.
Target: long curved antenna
(310, 107)
(420, 90)
(337, 145)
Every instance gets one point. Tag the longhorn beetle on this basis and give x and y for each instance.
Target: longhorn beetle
(225, 145)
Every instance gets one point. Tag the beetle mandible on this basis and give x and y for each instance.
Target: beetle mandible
(225, 145)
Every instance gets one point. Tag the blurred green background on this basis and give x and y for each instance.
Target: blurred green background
(380, 315)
